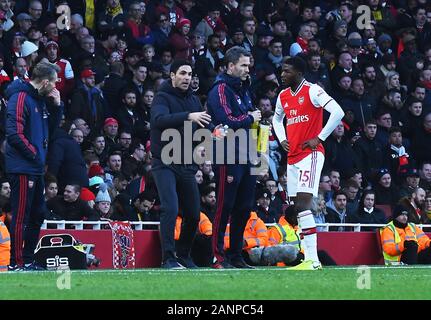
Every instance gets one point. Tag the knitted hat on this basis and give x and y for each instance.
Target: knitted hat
(51, 43)
(23, 16)
(384, 37)
(381, 173)
(103, 194)
(95, 180)
(262, 193)
(95, 170)
(87, 195)
(339, 23)
(110, 121)
(399, 210)
(183, 22)
(387, 58)
(28, 48)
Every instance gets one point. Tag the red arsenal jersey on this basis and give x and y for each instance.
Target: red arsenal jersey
(304, 117)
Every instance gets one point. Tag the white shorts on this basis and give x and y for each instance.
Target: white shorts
(304, 176)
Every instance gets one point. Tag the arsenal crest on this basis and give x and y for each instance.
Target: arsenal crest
(301, 100)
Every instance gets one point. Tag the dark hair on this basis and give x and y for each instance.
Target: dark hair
(366, 192)
(411, 100)
(178, 64)
(297, 63)
(394, 129)
(234, 54)
(206, 190)
(127, 90)
(337, 193)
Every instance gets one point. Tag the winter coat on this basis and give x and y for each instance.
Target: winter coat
(28, 123)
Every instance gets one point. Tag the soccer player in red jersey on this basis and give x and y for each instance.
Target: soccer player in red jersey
(302, 104)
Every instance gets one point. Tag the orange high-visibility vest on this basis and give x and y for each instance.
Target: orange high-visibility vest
(205, 226)
(255, 233)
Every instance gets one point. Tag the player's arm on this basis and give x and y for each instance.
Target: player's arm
(321, 99)
(277, 124)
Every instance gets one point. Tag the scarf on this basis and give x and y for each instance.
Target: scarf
(302, 43)
(275, 60)
(113, 12)
(401, 150)
(210, 22)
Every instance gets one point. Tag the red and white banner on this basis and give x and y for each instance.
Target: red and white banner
(123, 247)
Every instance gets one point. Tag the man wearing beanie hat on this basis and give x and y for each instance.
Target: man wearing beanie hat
(65, 75)
(403, 242)
(384, 43)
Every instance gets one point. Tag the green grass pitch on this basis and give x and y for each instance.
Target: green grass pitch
(207, 284)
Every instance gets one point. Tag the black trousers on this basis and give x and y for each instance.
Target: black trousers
(28, 211)
(235, 198)
(177, 187)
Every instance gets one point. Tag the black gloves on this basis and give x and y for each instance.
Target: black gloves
(410, 244)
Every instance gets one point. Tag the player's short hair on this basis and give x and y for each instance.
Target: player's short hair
(297, 63)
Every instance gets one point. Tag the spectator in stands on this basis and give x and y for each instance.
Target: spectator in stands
(422, 138)
(363, 106)
(412, 118)
(410, 183)
(337, 211)
(135, 158)
(425, 174)
(384, 124)
(143, 205)
(403, 242)
(325, 186)
(137, 25)
(414, 204)
(113, 17)
(70, 207)
(5, 188)
(263, 209)
(396, 157)
(51, 187)
(114, 163)
(65, 160)
(208, 24)
(369, 150)
(367, 213)
(99, 147)
(339, 151)
(351, 188)
(319, 210)
(103, 202)
(276, 201)
(86, 101)
(110, 128)
(179, 40)
(386, 191)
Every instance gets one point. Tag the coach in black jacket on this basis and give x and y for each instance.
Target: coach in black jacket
(173, 106)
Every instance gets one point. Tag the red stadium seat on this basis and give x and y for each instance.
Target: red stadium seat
(386, 209)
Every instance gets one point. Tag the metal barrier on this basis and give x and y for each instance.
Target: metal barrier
(139, 225)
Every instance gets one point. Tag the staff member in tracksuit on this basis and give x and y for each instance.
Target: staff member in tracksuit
(229, 103)
(34, 109)
(174, 105)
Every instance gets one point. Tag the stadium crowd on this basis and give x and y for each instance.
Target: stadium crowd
(116, 54)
